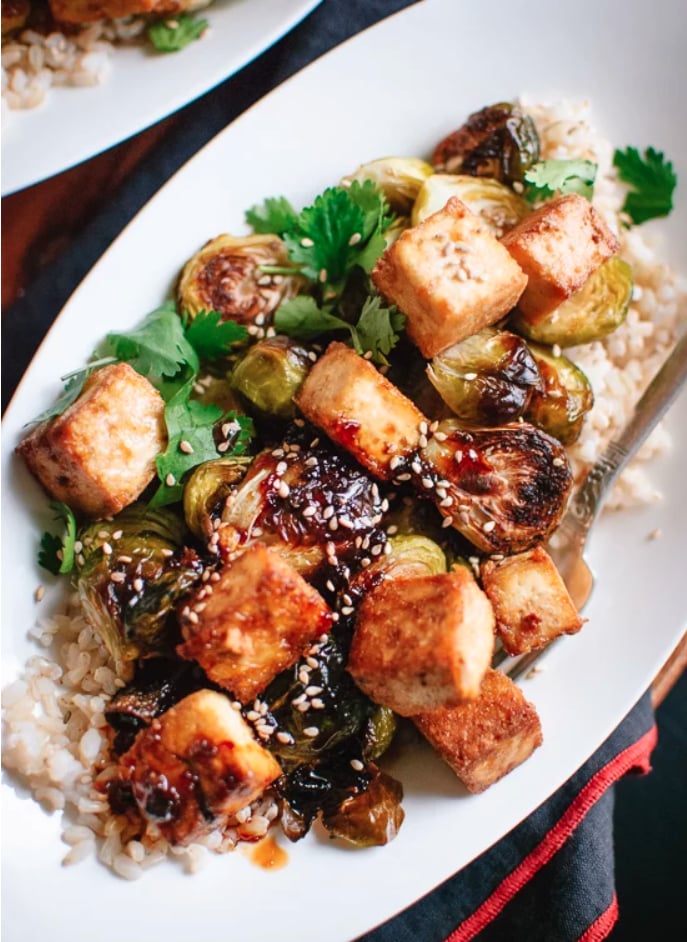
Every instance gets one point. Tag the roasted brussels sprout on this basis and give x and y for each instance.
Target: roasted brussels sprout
(133, 573)
(399, 178)
(307, 502)
(487, 379)
(596, 310)
(371, 817)
(503, 488)
(499, 141)
(497, 204)
(270, 373)
(217, 391)
(226, 276)
(206, 491)
(560, 407)
(15, 13)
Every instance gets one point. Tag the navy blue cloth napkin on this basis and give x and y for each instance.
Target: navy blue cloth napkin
(552, 877)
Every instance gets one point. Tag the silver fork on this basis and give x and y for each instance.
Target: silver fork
(568, 545)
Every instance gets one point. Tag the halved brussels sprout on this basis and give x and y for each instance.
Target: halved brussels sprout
(269, 375)
(497, 204)
(561, 406)
(134, 571)
(499, 141)
(503, 488)
(368, 818)
(596, 310)
(408, 554)
(487, 379)
(299, 499)
(206, 491)
(399, 178)
(226, 276)
(217, 391)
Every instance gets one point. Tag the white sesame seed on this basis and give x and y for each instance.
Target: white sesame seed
(470, 376)
(403, 477)
(311, 731)
(222, 447)
(125, 559)
(39, 592)
(558, 462)
(307, 243)
(252, 715)
(423, 428)
(556, 350)
(78, 546)
(333, 524)
(186, 447)
(395, 462)
(355, 238)
(193, 618)
(281, 468)
(440, 436)
(170, 480)
(446, 502)
(107, 549)
(283, 489)
(167, 552)
(313, 691)
(376, 550)
(117, 577)
(285, 738)
(357, 765)
(323, 275)
(458, 456)
(303, 707)
(489, 526)
(427, 483)
(317, 704)
(347, 610)
(138, 585)
(447, 522)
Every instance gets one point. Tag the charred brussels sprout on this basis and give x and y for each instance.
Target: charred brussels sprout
(567, 396)
(227, 275)
(269, 375)
(134, 571)
(369, 818)
(499, 141)
(503, 488)
(300, 499)
(487, 379)
(497, 204)
(596, 310)
(206, 491)
(399, 178)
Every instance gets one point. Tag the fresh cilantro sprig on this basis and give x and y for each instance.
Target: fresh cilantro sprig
(344, 228)
(57, 550)
(550, 177)
(210, 336)
(191, 441)
(376, 331)
(652, 181)
(173, 33)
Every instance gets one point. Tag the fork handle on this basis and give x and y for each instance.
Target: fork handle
(652, 406)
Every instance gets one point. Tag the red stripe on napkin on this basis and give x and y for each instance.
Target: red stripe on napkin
(602, 925)
(635, 757)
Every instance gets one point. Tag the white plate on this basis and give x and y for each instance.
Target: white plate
(394, 89)
(141, 88)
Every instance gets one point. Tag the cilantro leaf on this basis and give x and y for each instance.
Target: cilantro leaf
(275, 216)
(652, 179)
(158, 348)
(172, 33)
(211, 337)
(191, 441)
(57, 551)
(303, 318)
(377, 330)
(548, 177)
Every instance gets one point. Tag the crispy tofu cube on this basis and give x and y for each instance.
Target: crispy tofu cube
(196, 765)
(360, 409)
(423, 642)
(531, 602)
(257, 621)
(87, 11)
(558, 246)
(484, 739)
(99, 455)
(450, 277)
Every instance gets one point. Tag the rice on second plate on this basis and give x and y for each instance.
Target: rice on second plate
(53, 716)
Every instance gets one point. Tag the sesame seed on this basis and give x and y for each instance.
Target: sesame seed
(278, 453)
(367, 355)
(347, 610)
(376, 550)
(170, 480)
(335, 616)
(304, 675)
(558, 462)
(317, 704)
(440, 436)
(252, 715)
(347, 600)
(107, 549)
(215, 577)
(423, 428)
(281, 468)
(167, 552)
(222, 447)
(417, 467)
(81, 559)
(307, 243)
(355, 238)
(440, 492)
(458, 456)
(186, 447)
(314, 443)
(392, 530)
(117, 577)
(78, 546)
(447, 522)
(357, 765)
(387, 549)
(365, 562)
(427, 483)
(285, 738)
(334, 524)
(138, 584)
(470, 376)
(310, 510)
(311, 662)
(303, 707)
(434, 426)
(193, 618)
(313, 691)
(322, 275)
(403, 477)
(422, 441)
(39, 592)
(489, 526)
(446, 502)
(556, 350)
(103, 534)
(283, 489)
(395, 462)
(311, 731)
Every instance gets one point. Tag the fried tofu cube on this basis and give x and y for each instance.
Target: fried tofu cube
(87, 11)
(360, 409)
(558, 246)
(485, 738)
(423, 642)
(195, 766)
(531, 602)
(99, 455)
(450, 277)
(257, 621)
